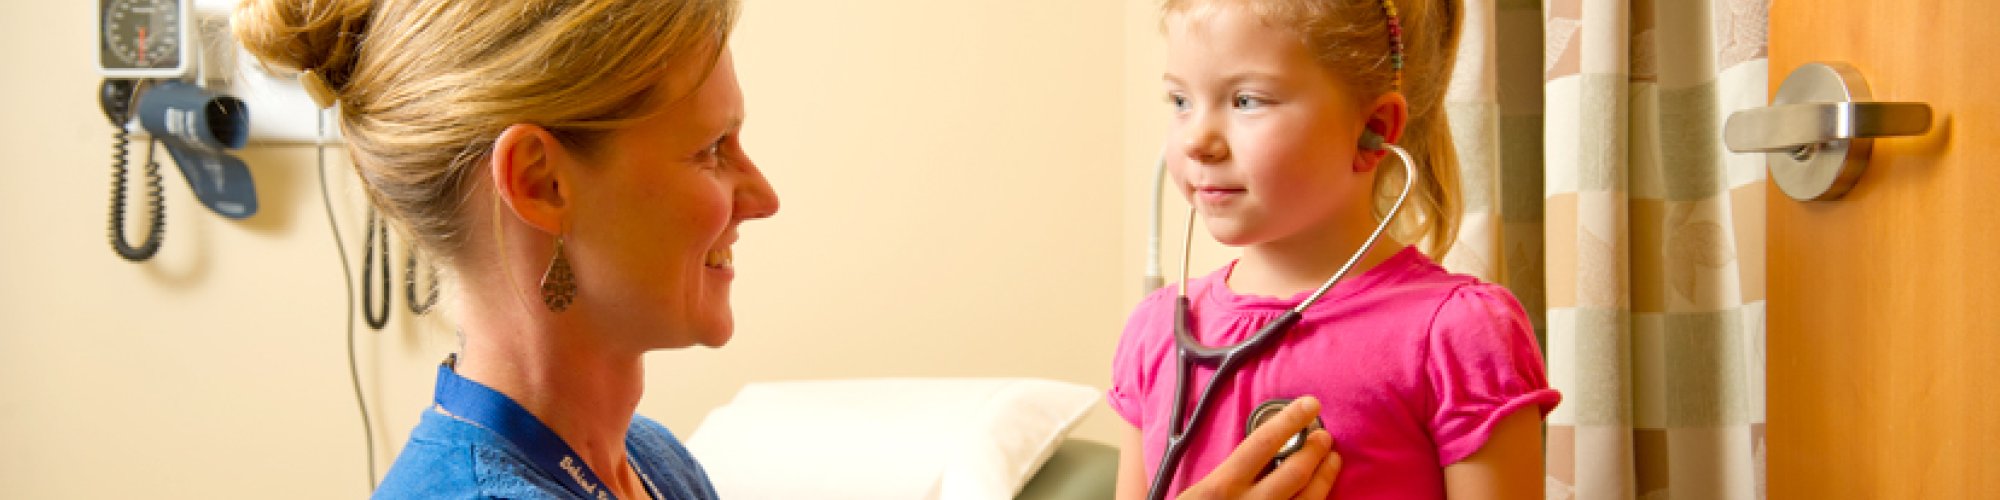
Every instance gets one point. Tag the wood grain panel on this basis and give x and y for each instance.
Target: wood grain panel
(1883, 360)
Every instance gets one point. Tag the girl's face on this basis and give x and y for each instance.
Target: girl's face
(1263, 140)
(657, 212)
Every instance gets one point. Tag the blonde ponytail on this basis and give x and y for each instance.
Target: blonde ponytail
(1430, 220)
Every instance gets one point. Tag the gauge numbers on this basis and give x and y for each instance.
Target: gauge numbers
(142, 37)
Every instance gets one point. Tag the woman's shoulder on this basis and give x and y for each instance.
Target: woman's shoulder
(431, 468)
(449, 458)
(668, 464)
(648, 435)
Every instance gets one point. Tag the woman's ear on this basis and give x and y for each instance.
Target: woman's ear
(530, 175)
(1385, 118)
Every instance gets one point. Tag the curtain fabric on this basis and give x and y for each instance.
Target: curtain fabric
(1597, 189)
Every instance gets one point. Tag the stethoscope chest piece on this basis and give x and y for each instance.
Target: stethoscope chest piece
(1263, 413)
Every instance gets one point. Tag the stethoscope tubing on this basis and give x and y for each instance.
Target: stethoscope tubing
(1227, 359)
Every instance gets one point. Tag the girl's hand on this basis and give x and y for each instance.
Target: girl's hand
(1309, 473)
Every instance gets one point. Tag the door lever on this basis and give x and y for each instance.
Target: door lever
(1820, 128)
(1792, 128)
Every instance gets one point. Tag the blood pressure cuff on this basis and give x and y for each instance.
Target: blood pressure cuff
(199, 129)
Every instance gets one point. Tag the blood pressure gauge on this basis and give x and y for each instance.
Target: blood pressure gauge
(143, 38)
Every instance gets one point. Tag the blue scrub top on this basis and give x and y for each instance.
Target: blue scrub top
(451, 458)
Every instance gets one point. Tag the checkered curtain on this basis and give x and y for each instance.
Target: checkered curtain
(1597, 188)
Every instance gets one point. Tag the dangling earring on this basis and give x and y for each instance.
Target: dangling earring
(558, 283)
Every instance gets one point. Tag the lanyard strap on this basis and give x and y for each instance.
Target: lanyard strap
(482, 406)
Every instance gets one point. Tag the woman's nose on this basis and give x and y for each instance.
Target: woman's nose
(755, 199)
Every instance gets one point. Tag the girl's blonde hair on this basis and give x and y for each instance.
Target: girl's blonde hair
(426, 86)
(1351, 38)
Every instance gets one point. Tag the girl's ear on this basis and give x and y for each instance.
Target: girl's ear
(1384, 120)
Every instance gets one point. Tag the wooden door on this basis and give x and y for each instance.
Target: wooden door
(1883, 342)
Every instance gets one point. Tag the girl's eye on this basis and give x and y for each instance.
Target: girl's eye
(1246, 102)
(1180, 103)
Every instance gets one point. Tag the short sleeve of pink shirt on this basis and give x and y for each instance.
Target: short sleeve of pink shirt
(1133, 366)
(1483, 366)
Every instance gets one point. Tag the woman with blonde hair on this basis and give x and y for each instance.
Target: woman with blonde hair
(576, 166)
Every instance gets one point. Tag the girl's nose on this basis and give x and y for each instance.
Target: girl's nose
(1204, 143)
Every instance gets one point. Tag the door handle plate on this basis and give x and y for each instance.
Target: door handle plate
(1820, 128)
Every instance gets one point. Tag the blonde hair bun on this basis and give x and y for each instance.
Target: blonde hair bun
(322, 36)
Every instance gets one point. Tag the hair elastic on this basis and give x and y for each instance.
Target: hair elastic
(316, 87)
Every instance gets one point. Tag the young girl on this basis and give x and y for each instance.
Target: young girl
(1430, 383)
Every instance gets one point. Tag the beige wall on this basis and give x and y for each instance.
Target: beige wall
(1146, 113)
(964, 186)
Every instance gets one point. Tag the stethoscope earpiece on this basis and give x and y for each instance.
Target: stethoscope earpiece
(1371, 141)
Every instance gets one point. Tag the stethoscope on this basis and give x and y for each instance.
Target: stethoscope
(1228, 358)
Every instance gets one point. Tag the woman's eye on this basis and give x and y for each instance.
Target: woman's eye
(713, 151)
(1180, 103)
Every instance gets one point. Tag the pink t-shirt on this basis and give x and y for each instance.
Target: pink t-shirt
(1413, 367)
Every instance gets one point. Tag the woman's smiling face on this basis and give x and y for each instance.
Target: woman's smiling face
(657, 212)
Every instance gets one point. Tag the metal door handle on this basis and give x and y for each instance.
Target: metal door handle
(1790, 127)
(1819, 129)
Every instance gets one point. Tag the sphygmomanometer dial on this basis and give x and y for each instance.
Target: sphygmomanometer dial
(143, 37)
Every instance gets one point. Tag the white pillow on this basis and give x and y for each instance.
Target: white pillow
(887, 438)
